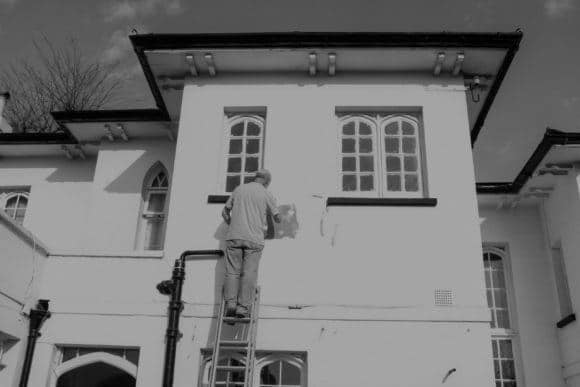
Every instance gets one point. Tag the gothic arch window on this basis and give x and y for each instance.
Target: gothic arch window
(223, 379)
(281, 370)
(153, 216)
(15, 204)
(95, 367)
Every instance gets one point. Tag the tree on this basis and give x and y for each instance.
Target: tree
(61, 79)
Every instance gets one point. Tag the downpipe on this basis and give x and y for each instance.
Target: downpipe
(173, 288)
(37, 317)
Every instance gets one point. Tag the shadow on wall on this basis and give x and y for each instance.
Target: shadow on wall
(64, 170)
(131, 179)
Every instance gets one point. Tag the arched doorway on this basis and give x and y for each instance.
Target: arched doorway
(97, 370)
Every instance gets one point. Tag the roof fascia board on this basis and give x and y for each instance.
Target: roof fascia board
(129, 115)
(551, 137)
(36, 138)
(325, 39)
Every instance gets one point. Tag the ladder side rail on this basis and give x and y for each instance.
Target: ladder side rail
(216, 344)
(251, 353)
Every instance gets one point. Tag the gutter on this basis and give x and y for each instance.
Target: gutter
(551, 137)
(173, 288)
(37, 317)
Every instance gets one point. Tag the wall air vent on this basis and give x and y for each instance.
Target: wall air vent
(443, 297)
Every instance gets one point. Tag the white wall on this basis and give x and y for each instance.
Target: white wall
(535, 299)
(562, 214)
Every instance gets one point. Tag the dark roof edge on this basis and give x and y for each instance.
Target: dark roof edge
(36, 138)
(128, 115)
(324, 39)
(551, 137)
(501, 73)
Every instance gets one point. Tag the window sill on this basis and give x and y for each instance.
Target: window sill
(217, 199)
(395, 202)
(566, 320)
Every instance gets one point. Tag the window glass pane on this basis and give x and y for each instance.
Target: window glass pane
(505, 349)
(503, 320)
(270, 373)
(12, 202)
(156, 202)
(238, 129)
(234, 164)
(114, 351)
(68, 353)
(365, 145)
(508, 383)
(232, 182)
(290, 374)
(349, 182)
(409, 144)
(494, 348)
(248, 179)
(364, 129)
(507, 369)
(500, 298)
(154, 234)
(367, 183)
(410, 163)
(393, 163)
(497, 369)
(348, 129)
(253, 129)
(252, 146)
(349, 164)
(348, 145)
(252, 164)
(408, 128)
(392, 144)
(393, 182)
(235, 147)
(489, 299)
(392, 128)
(132, 355)
(366, 163)
(411, 183)
(19, 216)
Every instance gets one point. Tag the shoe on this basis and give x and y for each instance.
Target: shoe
(231, 310)
(242, 313)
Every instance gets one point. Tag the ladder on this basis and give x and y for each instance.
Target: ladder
(236, 337)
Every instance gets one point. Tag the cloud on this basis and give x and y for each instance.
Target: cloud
(130, 9)
(8, 2)
(118, 48)
(557, 8)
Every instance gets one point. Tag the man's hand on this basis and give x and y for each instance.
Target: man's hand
(226, 215)
(277, 218)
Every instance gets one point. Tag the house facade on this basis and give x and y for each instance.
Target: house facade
(392, 265)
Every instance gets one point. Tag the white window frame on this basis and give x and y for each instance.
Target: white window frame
(59, 367)
(229, 121)
(378, 121)
(7, 194)
(144, 215)
(512, 332)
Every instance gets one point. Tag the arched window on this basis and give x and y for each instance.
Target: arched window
(244, 149)
(223, 378)
(96, 367)
(15, 205)
(153, 217)
(281, 370)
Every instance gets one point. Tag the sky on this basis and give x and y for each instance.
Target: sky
(541, 89)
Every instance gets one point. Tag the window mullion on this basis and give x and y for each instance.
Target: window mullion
(381, 166)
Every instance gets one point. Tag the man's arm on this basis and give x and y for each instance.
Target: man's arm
(227, 209)
(271, 202)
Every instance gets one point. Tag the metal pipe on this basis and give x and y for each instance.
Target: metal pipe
(37, 318)
(173, 288)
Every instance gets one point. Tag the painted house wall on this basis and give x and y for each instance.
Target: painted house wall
(21, 266)
(562, 214)
(349, 263)
(535, 300)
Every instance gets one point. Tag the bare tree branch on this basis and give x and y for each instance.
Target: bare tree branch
(60, 78)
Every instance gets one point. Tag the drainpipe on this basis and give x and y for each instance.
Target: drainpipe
(173, 288)
(37, 317)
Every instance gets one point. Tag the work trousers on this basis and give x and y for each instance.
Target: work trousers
(242, 260)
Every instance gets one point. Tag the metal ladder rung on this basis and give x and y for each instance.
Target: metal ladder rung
(243, 320)
(233, 349)
(234, 343)
(231, 368)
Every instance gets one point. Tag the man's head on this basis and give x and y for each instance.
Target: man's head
(264, 177)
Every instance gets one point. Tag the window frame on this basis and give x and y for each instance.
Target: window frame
(146, 216)
(8, 193)
(511, 333)
(378, 121)
(230, 119)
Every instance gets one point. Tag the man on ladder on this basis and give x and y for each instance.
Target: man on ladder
(246, 214)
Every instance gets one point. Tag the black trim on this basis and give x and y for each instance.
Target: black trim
(37, 317)
(36, 138)
(217, 199)
(507, 60)
(324, 40)
(566, 320)
(551, 137)
(350, 201)
(129, 115)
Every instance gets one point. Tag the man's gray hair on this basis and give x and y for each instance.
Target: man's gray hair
(264, 174)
